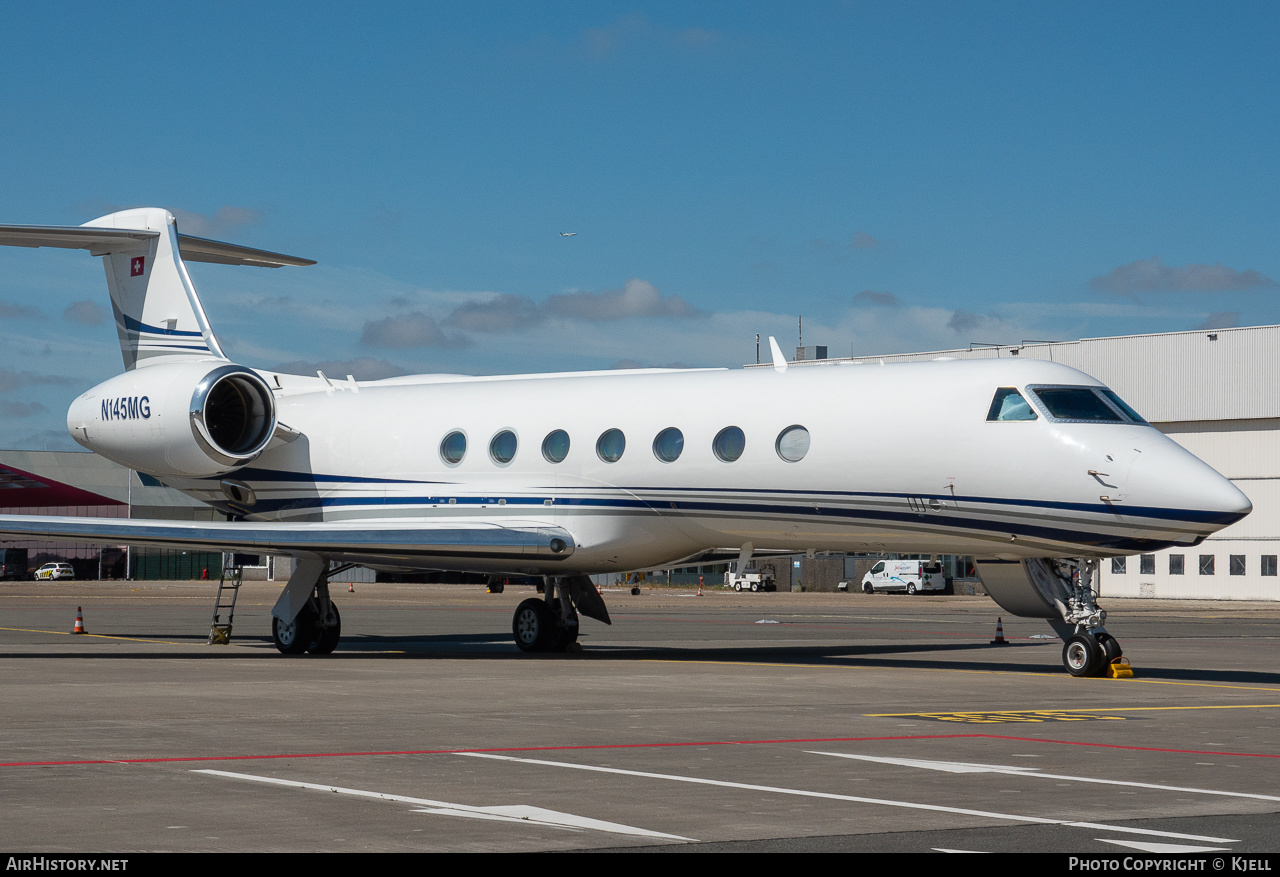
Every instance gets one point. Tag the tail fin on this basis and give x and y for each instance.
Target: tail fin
(158, 314)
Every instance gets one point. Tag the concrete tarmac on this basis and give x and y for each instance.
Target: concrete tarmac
(746, 722)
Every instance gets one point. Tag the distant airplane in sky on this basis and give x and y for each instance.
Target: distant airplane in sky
(567, 234)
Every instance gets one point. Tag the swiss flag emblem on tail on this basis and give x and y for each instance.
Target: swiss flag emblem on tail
(137, 266)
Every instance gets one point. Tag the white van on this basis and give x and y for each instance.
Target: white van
(912, 576)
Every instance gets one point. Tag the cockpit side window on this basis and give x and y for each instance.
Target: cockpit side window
(1008, 404)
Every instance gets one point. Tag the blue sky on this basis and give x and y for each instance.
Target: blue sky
(908, 176)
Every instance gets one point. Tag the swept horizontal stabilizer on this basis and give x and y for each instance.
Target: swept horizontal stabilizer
(98, 241)
(196, 249)
(393, 541)
(101, 241)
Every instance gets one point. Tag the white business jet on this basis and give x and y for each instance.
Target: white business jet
(1042, 470)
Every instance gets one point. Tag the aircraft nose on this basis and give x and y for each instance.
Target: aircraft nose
(1173, 477)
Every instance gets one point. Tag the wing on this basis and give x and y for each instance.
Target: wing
(448, 544)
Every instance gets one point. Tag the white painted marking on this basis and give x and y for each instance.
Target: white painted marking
(521, 813)
(1148, 847)
(945, 850)
(832, 796)
(962, 767)
(946, 766)
(767, 621)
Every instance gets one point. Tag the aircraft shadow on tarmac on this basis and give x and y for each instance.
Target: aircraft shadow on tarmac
(498, 646)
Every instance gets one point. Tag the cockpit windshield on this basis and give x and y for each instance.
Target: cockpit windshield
(1085, 404)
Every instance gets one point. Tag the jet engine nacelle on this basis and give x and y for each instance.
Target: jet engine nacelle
(195, 419)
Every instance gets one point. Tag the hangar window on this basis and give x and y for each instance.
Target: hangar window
(503, 447)
(555, 447)
(793, 443)
(1177, 565)
(610, 445)
(1236, 565)
(453, 448)
(1147, 565)
(668, 445)
(1206, 564)
(1008, 404)
(1268, 564)
(1118, 565)
(729, 444)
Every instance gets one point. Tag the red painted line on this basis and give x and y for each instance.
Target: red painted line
(805, 740)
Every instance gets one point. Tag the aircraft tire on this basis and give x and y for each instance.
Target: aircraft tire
(533, 626)
(1110, 648)
(294, 637)
(325, 639)
(1081, 655)
(566, 635)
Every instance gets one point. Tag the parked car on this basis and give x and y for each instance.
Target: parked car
(55, 571)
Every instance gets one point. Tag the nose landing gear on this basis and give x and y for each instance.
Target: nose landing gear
(1087, 648)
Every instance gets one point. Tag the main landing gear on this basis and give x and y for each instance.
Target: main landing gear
(550, 623)
(316, 630)
(304, 619)
(1087, 648)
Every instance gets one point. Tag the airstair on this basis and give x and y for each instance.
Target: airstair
(228, 590)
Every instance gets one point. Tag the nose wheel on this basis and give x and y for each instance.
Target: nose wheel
(1088, 654)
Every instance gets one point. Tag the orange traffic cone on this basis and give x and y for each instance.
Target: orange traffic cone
(79, 628)
(351, 587)
(999, 640)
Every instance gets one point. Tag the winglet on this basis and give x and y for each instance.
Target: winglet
(779, 361)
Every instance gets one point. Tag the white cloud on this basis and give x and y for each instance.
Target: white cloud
(86, 313)
(637, 298)
(410, 330)
(499, 314)
(220, 221)
(1151, 275)
(362, 368)
(636, 30)
(11, 311)
(1221, 320)
(881, 299)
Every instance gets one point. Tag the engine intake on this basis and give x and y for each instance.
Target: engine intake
(232, 415)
